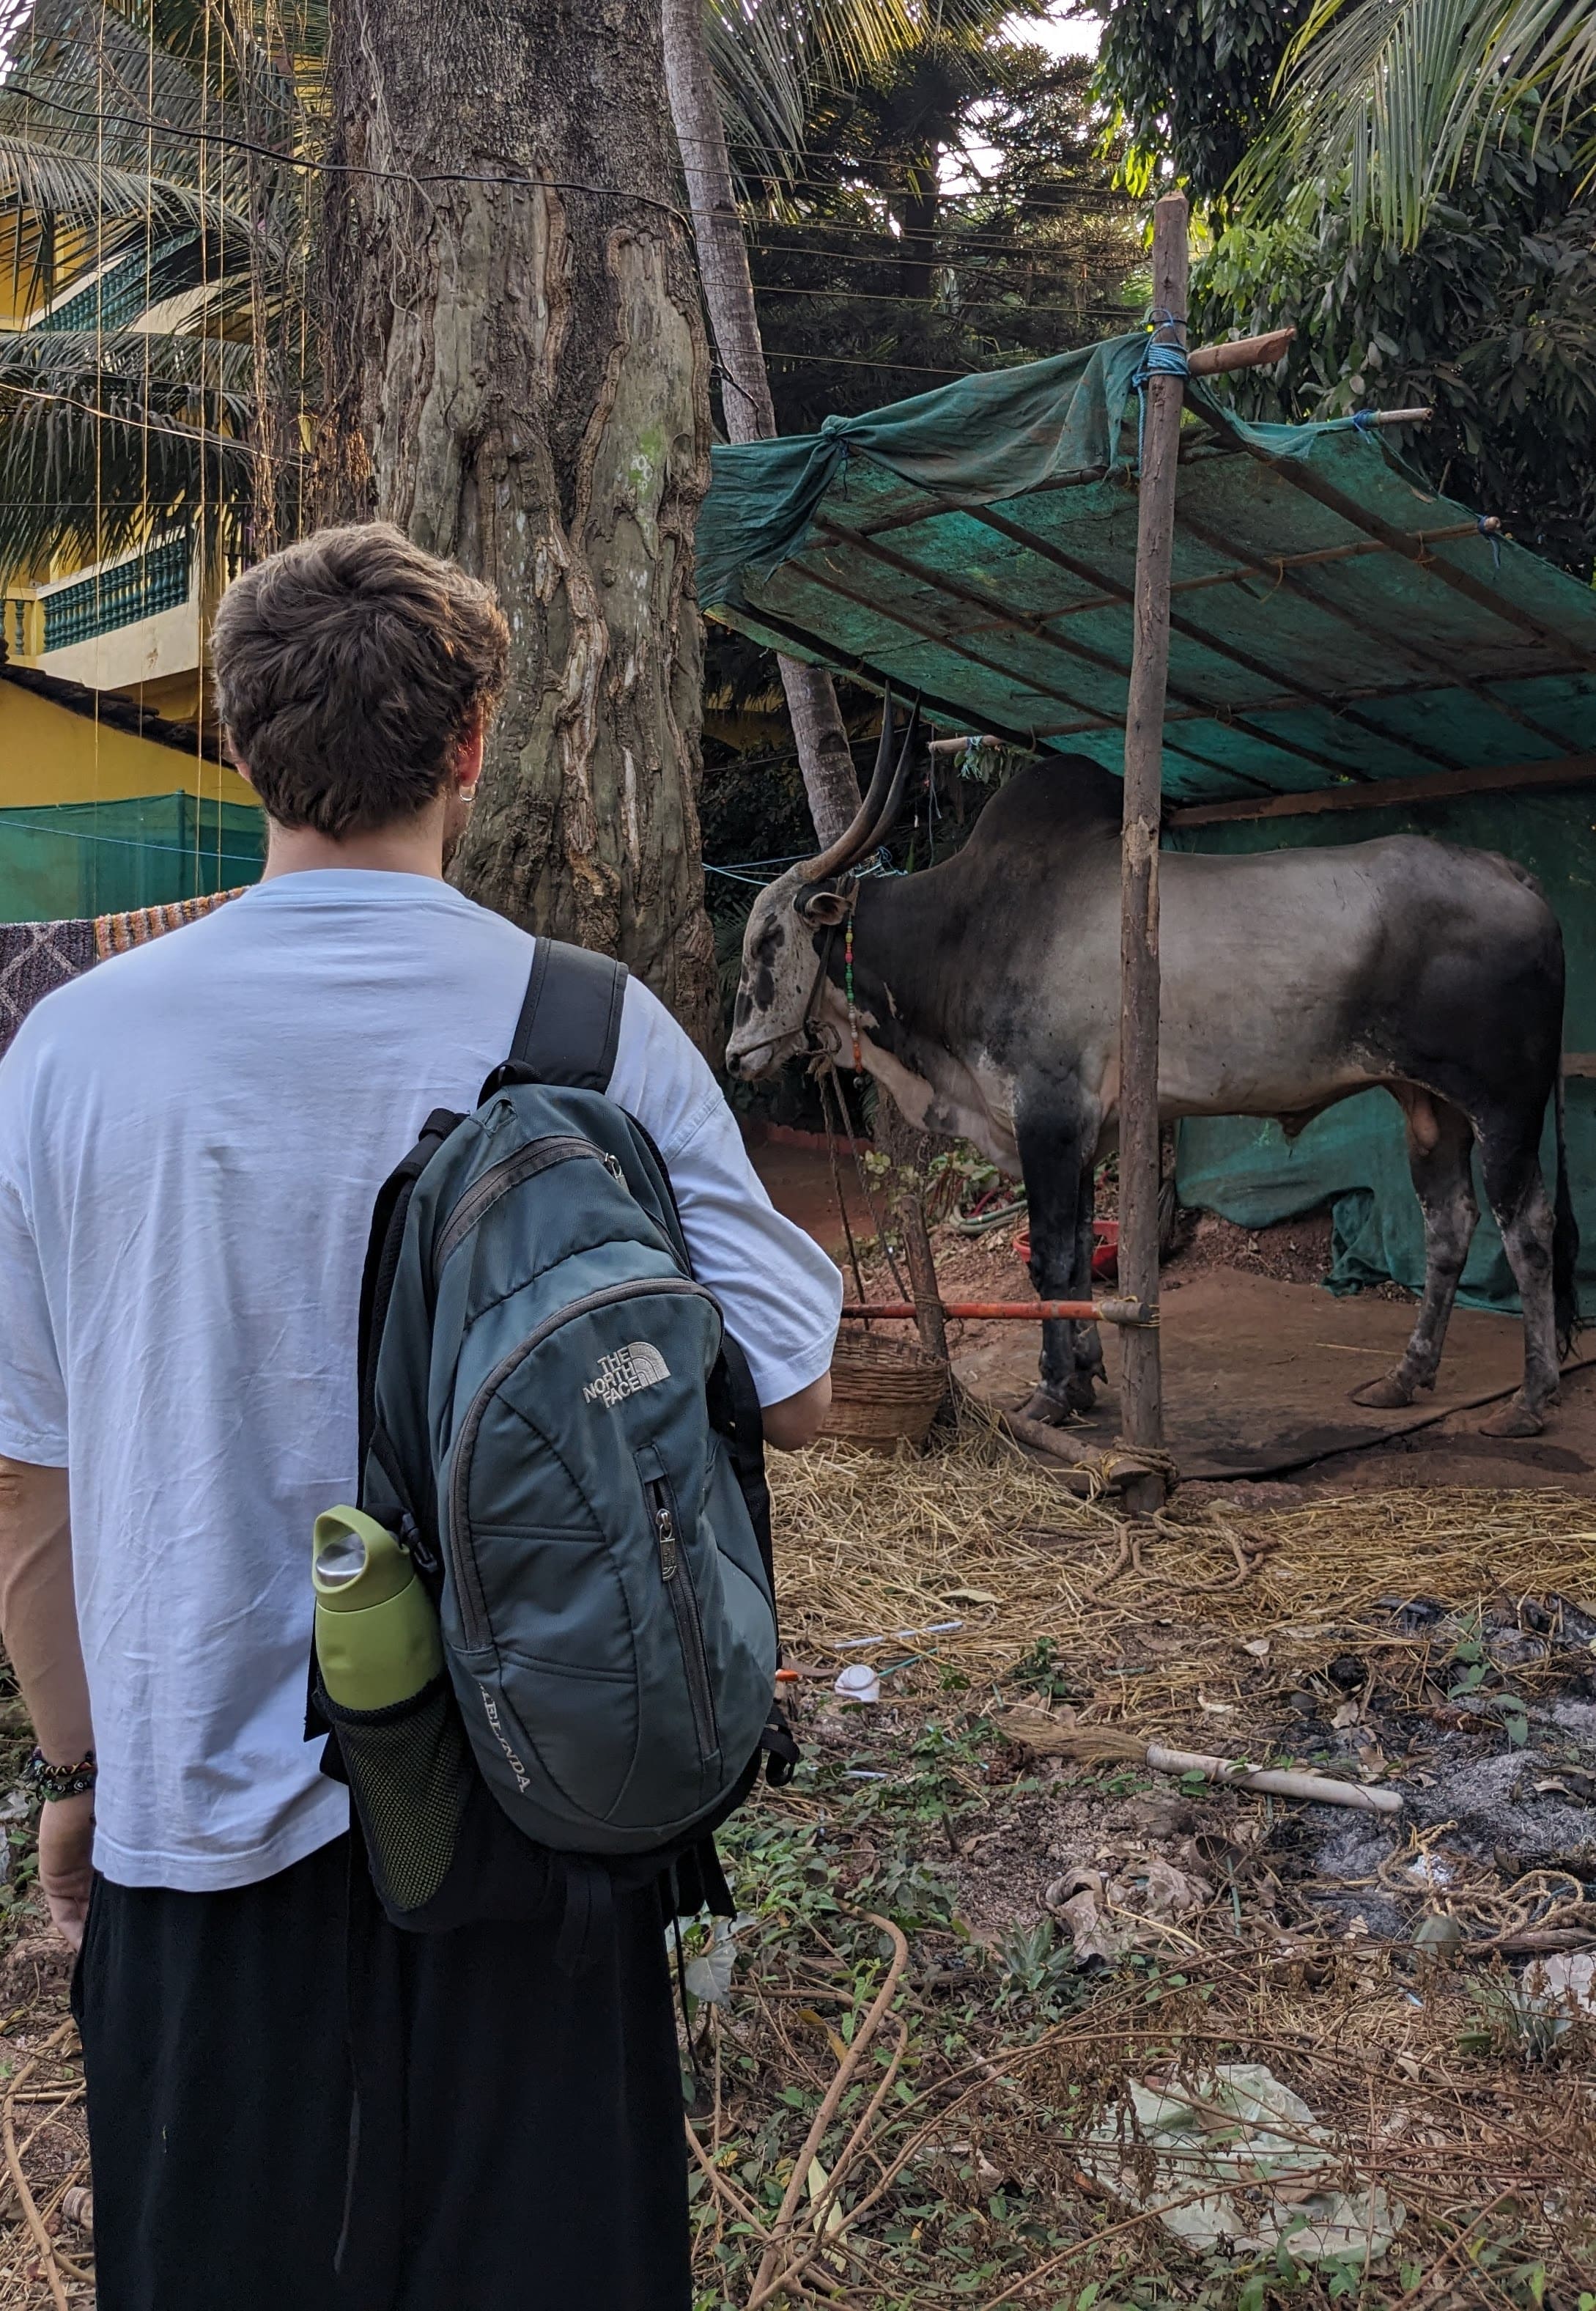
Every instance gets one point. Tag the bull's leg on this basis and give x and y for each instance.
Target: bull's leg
(1510, 1163)
(1439, 1140)
(1056, 1139)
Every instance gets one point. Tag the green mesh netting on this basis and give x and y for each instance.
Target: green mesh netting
(74, 860)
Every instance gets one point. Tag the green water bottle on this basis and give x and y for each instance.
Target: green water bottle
(377, 1638)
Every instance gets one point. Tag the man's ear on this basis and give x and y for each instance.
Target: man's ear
(467, 766)
(822, 906)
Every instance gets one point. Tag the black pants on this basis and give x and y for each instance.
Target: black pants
(519, 2132)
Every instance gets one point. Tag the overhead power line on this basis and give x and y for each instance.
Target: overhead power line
(1125, 313)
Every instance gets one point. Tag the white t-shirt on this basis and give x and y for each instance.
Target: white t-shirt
(191, 1135)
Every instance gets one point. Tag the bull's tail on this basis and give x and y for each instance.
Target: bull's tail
(1565, 1240)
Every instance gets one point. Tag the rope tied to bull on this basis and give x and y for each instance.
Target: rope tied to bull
(859, 1057)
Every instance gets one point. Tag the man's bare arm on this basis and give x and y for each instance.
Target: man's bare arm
(38, 1621)
(795, 1420)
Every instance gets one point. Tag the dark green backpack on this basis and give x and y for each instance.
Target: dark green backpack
(555, 1423)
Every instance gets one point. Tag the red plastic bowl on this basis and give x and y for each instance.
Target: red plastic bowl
(1105, 1257)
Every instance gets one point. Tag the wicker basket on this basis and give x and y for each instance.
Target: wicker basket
(883, 1391)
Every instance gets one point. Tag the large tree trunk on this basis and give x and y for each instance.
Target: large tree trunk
(830, 781)
(519, 380)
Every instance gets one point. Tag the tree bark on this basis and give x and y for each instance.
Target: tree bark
(518, 378)
(830, 781)
(910, 1151)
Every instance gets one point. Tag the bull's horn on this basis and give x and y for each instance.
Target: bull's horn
(894, 799)
(849, 845)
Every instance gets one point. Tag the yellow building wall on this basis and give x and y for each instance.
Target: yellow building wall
(50, 755)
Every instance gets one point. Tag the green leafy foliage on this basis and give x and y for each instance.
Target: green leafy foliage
(1487, 314)
(1400, 101)
(955, 210)
(1490, 320)
(1191, 82)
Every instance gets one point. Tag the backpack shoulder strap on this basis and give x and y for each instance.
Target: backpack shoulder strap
(382, 1262)
(569, 1026)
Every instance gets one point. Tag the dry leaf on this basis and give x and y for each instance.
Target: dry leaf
(818, 2179)
(1171, 1894)
(1257, 1646)
(1083, 1910)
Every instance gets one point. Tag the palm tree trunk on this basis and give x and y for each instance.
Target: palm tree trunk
(830, 781)
(519, 379)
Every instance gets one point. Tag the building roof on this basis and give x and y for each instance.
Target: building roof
(113, 712)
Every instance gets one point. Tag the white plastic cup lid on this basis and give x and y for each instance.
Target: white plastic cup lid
(858, 1682)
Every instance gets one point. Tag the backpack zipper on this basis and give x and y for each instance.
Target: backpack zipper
(500, 1178)
(677, 1581)
(462, 1561)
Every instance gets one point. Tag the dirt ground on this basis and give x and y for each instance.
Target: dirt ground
(1259, 1361)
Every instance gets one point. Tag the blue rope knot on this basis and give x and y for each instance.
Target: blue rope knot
(1365, 420)
(1163, 355)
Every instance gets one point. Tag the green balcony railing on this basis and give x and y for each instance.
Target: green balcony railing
(125, 291)
(156, 580)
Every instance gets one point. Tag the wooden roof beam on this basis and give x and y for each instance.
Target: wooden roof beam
(1389, 794)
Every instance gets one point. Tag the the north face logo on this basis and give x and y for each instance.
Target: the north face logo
(639, 1364)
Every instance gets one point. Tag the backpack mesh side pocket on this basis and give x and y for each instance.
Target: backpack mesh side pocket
(410, 1775)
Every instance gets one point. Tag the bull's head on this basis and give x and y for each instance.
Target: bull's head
(783, 951)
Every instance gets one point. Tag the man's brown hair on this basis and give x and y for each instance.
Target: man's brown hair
(348, 667)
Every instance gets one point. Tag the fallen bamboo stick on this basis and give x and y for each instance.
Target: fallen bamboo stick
(1320, 1789)
(1106, 1744)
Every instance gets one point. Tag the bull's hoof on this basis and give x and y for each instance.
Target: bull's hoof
(1514, 1419)
(1052, 1411)
(1389, 1393)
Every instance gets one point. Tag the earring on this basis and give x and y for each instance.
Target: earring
(468, 795)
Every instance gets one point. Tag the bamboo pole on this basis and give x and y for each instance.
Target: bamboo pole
(1141, 1388)
(1240, 352)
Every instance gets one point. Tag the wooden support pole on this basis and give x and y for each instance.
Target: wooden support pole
(1141, 1387)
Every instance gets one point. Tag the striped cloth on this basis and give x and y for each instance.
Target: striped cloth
(35, 958)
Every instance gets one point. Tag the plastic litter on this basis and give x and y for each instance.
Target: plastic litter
(858, 1682)
(899, 1636)
(1237, 2158)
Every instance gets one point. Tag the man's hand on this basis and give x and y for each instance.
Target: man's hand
(66, 1862)
(796, 1421)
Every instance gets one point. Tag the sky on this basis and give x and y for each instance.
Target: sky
(1064, 36)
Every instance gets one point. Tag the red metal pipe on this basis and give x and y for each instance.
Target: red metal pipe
(1015, 1312)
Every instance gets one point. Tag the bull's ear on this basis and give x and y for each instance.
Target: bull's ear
(821, 906)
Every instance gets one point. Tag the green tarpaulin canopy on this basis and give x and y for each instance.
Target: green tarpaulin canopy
(1338, 630)
(1334, 621)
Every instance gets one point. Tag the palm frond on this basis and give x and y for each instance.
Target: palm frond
(74, 189)
(770, 58)
(95, 453)
(1396, 98)
(148, 145)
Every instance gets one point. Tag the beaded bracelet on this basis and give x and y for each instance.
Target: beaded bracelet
(54, 1782)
